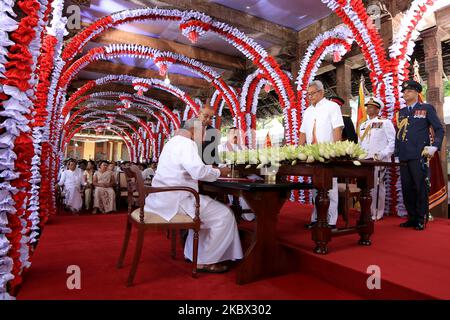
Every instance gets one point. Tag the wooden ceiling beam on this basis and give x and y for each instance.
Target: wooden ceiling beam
(211, 58)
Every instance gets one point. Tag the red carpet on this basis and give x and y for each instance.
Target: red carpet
(93, 243)
(413, 264)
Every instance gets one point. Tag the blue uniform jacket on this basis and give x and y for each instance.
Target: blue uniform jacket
(414, 134)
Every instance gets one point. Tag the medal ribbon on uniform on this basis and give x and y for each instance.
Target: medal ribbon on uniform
(366, 132)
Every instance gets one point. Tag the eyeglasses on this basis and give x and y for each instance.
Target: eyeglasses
(310, 94)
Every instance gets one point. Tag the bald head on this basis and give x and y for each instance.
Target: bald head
(206, 115)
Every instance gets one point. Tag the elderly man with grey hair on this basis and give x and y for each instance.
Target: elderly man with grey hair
(322, 122)
(180, 165)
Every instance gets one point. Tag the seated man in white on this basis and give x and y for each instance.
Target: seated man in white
(180, 165)
(149, 172)
(232, 144)
(71, 180)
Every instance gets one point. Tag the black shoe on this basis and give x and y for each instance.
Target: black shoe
(310, 225)
(332, 226)
(408, 224)
(419, 226)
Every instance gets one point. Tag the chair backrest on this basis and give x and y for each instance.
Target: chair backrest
(135, 182)
(123, 184)
(133, 173)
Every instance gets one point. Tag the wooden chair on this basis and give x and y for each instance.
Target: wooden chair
(121, 188)
(60, 198)
(144, 221)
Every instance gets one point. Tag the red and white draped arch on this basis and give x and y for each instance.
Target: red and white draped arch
(33, 63)
(195, 24)
(249, 101)
(148, 109)
(141, 85)
(338, 40)
(162, 59)
(146, 104)
(110, 127)
(69, 125)
(72, 127)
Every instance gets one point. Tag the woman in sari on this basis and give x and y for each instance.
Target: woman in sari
(104, 195)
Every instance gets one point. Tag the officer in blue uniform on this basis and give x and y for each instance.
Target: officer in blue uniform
(412, 146)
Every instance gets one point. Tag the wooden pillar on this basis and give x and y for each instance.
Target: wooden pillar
(435, 93)
(119, 150)
(344, 84)
(105, 151)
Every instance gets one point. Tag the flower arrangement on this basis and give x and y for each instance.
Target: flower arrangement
(292, 155)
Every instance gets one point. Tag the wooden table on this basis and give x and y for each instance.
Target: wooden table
(322, 176)
(265, 257)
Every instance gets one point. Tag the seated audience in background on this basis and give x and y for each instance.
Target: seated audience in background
(112, 168)
(149, 172)
(62, 168)
(89, 178)
(141, 166)
(72, 181)
(104, 195)
(82, 164)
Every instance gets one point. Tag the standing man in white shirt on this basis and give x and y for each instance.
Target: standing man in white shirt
(377, 138)
(181, 165)
(322, 122)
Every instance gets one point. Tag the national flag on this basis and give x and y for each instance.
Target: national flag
(362, 115)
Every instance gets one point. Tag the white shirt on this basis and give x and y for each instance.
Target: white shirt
(327, 116)
(71, 179)
(377, 136)
(80, 173)
(147, 173)
(179, 165)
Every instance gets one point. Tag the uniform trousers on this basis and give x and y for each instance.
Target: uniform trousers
(415, 189)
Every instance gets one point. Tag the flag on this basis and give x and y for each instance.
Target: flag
(362, 116)
(268, 142)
